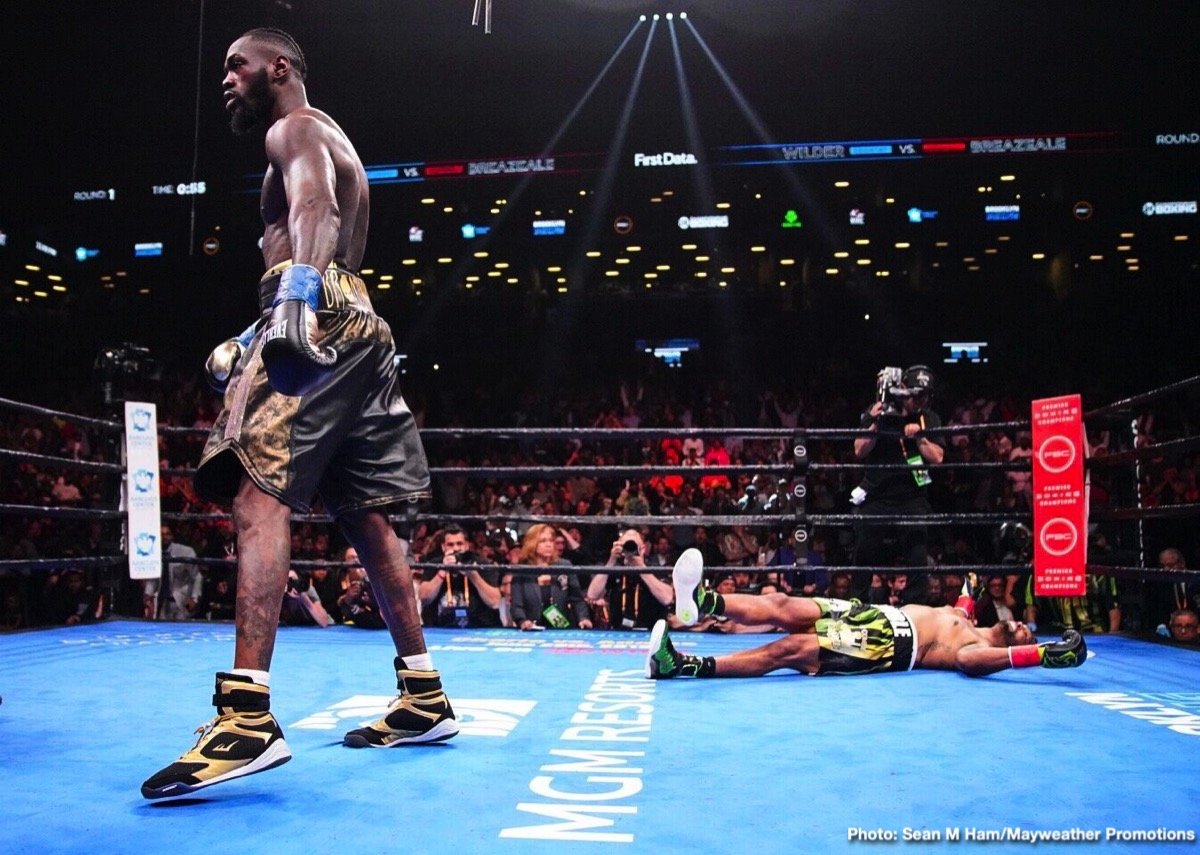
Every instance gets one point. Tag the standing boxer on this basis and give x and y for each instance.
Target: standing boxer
(312, 406)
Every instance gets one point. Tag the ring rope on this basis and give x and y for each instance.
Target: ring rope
(1158, 512)
(1144, 397)
(57, 512)
(57, 563)
(60, 462)
(515, 472)
(685, 433)
(71, 417)
(1160, 449)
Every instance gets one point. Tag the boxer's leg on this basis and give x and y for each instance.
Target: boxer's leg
(421, 712)
(799, 652)
(244, 738)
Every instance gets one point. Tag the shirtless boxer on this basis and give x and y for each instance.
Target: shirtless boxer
(312, 406)
(828, 636)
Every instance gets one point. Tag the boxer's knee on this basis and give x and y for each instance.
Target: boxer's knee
(255, 509)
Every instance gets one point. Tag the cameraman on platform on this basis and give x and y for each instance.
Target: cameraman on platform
(900, 416)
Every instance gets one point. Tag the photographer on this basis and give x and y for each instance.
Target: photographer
(900, 416)
(467, 597)
(301, 603)
(357, 605)
(630, 600)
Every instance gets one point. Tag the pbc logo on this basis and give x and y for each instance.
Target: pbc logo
(492, 717)
(141, 420)
(144, 543)
(143, 480)
(1056, 454)
(1059, 536)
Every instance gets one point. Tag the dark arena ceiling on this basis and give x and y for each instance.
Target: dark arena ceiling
(791, 180)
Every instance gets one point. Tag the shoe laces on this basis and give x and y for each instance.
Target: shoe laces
(208, 727)
(204, 730)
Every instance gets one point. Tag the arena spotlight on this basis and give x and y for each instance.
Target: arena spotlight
(560, 335)
(642, 18)
(656, 16)
(702, 176)
(428, 325)
(670, 16)
(798, 189)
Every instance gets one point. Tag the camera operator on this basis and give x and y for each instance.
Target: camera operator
(630, 600)
(467, 597)
(900, 416)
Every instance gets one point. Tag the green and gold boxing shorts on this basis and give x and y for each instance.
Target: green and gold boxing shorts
(864, 639)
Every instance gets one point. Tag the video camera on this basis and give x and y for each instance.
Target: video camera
(893, 386)
(123, 366)
(890, 391)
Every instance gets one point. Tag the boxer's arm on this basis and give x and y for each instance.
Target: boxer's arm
(298, 147)
(295, 361)
(979, 659)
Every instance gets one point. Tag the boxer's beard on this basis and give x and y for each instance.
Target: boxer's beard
(254, 107)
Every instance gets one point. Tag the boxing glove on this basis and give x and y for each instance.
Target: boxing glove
(295, 363)
(1071, 652)
(218, 368)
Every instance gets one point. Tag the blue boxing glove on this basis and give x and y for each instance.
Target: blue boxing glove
(225, 356)
(295, 363)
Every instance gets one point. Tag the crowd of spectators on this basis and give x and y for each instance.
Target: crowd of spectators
(747, 558)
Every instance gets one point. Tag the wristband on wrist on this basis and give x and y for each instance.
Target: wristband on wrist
(1025, 656)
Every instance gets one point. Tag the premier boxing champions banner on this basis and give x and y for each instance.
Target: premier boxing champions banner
(140, 497)
(1059, 498)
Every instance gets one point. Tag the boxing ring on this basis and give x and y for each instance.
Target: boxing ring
(566, 747)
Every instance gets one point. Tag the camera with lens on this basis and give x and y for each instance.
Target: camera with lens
(124, 366)
(630, 547)
(890, 391)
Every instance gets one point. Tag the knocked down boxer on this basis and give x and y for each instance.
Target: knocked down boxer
(828, 636)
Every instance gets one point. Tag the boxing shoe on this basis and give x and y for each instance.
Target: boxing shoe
(691, 600)
(420, 713)
(243, 739)
(662, 659)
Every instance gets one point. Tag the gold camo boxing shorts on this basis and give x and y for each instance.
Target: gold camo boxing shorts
(353, 440)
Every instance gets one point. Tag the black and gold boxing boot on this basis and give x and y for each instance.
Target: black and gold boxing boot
(243, 739)
(420, 713)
